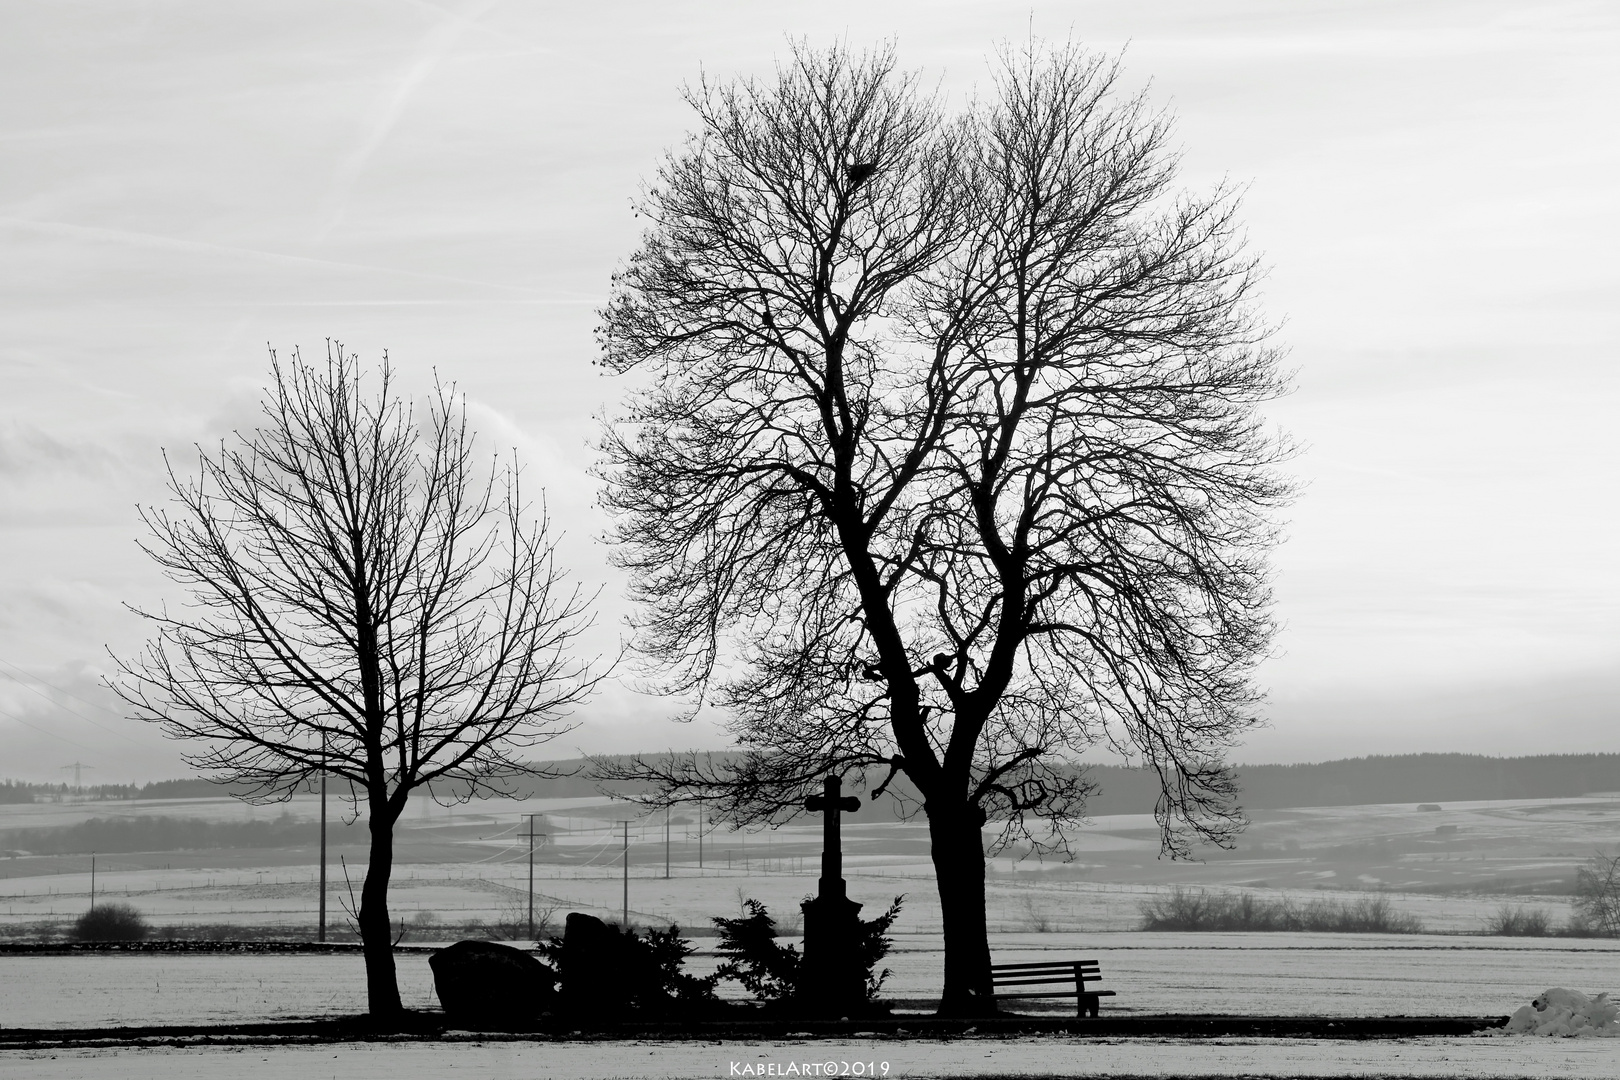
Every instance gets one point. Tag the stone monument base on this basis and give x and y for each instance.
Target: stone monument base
(832, 979)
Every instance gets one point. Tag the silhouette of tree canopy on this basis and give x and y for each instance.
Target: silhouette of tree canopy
(953, 467)
(365, 599)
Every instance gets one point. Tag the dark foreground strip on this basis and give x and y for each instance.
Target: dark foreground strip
(432, 1027)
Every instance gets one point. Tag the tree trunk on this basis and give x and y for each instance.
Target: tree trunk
(376, 936)
(958, 852)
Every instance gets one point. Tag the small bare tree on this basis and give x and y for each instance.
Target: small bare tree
(1597, 895)
(366, 600)
(949, 458)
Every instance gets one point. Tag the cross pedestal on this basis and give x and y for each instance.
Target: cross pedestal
(832, 979)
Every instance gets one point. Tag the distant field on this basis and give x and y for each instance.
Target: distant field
(1451, 868)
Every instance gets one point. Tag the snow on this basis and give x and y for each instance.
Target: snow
(1256, 974)
(108, 990)
(1474, 1057)
(1567, 1013)
(1312, 974)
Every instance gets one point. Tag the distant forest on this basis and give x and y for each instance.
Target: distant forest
(1414, 778)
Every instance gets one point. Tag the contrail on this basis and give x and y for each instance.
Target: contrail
(434, 46)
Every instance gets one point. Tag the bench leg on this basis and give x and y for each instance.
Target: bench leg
(1088, 1004)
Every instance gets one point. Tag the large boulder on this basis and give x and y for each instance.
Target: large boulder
(595, 979)
(481, 983)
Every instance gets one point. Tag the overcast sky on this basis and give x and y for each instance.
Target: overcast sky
(1432, 183)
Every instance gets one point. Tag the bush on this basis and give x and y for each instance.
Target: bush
(663, 953)
(1196, 910)
(770, 971)
(875, 944)
(767, 970)
(111, 922)
(1513, 920)
(1597, 896)
(1370, 915)
(649, 969)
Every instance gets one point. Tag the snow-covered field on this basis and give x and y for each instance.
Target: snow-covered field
(1452, 869)
(1259, 974)
(471, 863)
(1598, 1059)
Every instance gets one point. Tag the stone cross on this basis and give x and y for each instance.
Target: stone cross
(832, 854)
(832, 978)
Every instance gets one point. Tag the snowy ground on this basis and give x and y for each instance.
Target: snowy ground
(1472, 1057)
(1253, 974)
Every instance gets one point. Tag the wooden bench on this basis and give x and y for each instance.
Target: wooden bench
(1074, 972)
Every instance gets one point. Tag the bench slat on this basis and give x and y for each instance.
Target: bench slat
(1038, 982)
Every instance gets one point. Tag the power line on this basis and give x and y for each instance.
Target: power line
(65, 693)
(43, 731)
(64, 708)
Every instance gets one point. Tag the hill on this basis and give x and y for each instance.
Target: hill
(1413, 778)
(1405, 778)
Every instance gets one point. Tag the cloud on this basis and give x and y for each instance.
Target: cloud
(544, 460)
(49, 716)
(27, 451)
(1426, 182)
(236, 252)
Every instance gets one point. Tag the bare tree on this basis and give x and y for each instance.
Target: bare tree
(1597, 895)
(949, 459)
(367, 600)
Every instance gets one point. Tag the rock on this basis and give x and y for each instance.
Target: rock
(594, 979)
(481, 982)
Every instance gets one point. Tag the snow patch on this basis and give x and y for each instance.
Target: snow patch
(1568, 1013)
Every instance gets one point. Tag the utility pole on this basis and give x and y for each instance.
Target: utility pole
(92, 881)
(700, 836)
(320, 929)
(531, 875)
(626, 873)
(666, 843)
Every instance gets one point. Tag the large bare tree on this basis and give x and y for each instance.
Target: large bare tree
(367, 599)
(948, 458)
